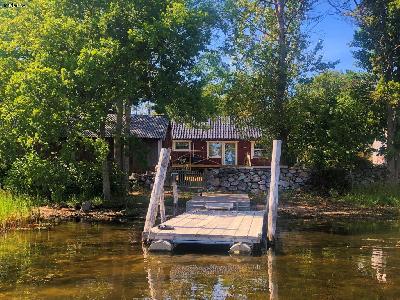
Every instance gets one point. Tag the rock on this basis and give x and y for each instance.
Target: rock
(231, 179)
(255, 178)
(242, 186)
(262, 182)
(240, 248)
(298, 180)
(161, 245)
(254, 185)
(225, 184)
(235, 183)
(232, 188)
(215, 181)
(263, 187)
(86, 206)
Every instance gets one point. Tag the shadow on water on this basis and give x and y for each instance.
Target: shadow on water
(353, 260)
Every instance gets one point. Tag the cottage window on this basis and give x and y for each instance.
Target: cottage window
(214, 150)
(258, 150)
(181, 145)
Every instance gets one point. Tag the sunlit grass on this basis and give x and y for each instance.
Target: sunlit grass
(377, 194)
(13, 209)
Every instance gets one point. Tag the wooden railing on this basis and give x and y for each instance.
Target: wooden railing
(188, 178)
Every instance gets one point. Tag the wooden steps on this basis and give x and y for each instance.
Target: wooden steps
(221, 201)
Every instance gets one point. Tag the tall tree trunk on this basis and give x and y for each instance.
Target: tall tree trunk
(282, 77)
(105, 170)
(392, 157)
(118, 135)
(126, 148)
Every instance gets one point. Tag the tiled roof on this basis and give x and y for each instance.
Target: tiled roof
(220, 128)
(142, 126)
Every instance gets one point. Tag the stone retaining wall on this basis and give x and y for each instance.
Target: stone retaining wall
(253, 180)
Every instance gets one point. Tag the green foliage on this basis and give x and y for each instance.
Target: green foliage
(13, 208)
(270, 52)
(64, 65)
(334, 120)
(377, 194)
(377, 39)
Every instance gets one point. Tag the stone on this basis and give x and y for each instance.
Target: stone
(263, 187)
(254, 185)
(298, 180)
(241, 177)
(161, 246)
(86, 206)
(233, 188)
(283, 183)
(234, 183)
(255, 178)
(262, 182)
(240, 249)
(242, 186)
(215, 181)
(231, 179)
(225, 184)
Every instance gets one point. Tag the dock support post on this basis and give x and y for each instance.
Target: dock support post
(273, 191)
(157, 190)
(162, 207)
(175, 192)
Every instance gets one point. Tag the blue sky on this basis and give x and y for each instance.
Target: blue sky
(337, 34)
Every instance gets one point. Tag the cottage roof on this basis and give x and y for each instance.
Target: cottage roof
(220, 128)
(142, 126)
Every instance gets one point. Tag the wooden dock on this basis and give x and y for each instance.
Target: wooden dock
(212, 227)
(211, 218)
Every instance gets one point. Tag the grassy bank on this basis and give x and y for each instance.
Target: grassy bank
(378, 194)
(14, 210)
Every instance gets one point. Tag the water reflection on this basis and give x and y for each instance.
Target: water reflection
(92, 261)
(378, 263)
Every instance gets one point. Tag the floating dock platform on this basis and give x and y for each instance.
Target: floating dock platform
(212, 219)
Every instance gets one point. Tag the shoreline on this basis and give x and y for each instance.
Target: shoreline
(321, 209)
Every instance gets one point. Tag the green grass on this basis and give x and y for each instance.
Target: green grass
(377, 194)
(14, 210)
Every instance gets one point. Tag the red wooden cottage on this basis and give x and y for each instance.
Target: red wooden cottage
(216, 143)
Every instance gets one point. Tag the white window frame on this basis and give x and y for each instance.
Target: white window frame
(253, 144)
(222, 157)
(181, 141)
(208, 149)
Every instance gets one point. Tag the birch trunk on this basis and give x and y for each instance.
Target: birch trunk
(118, 135)
(105, 169)
(392, 157)
(126, 148)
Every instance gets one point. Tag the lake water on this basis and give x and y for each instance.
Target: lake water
(342, 260)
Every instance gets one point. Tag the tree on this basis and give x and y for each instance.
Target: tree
(268, 48)
(334, 120)
(378, 51)
(83, 60)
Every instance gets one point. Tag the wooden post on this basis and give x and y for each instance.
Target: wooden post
(158, 186)
(175, 192)
(162, 207)
(273, 190)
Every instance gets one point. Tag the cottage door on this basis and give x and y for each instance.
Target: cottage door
(229, 154)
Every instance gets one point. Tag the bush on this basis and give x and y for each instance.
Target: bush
(329, 181)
